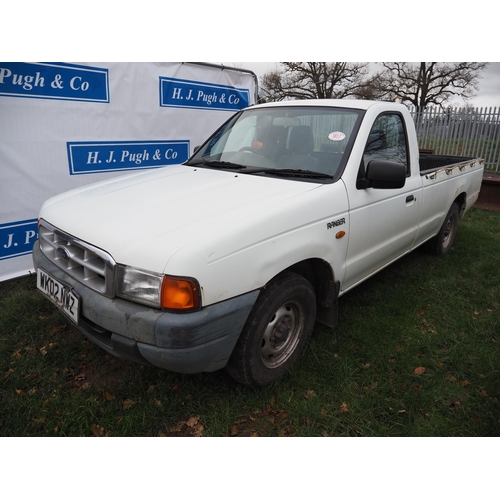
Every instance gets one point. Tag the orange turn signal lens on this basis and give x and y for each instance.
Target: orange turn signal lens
(180, 294)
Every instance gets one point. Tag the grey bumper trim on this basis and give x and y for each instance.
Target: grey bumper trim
(188, 343)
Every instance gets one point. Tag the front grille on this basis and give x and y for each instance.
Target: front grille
(87, 264)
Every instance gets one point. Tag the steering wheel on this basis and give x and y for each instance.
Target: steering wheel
(247, 148)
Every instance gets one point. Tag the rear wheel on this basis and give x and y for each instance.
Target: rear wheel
(443, 241)
(277, 331)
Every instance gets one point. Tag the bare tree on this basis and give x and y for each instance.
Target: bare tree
(314, 80)
(425, 83)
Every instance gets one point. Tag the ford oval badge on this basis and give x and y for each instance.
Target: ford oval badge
(62, 253)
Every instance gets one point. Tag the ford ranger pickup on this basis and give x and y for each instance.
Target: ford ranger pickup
(228, 260)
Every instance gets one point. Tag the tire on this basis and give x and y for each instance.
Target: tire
(276, 332)
(443, 241)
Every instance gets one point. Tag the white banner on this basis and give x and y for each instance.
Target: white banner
(66, 125)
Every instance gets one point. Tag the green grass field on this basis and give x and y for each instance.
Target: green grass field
(416, 353)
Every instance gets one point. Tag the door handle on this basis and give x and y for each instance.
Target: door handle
(410, 198)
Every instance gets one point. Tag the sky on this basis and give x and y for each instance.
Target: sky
(261, 30)
(488, 94)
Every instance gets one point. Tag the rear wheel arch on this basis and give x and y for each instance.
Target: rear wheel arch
(461, 201)
(443, 241)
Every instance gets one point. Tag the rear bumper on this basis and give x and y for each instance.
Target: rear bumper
(200, 341)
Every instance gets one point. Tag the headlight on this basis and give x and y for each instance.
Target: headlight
(139, 286)
(158, 290)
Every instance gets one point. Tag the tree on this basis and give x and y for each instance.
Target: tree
(314, 80)
(425, 83)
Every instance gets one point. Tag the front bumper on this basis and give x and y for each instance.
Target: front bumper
(199, 341)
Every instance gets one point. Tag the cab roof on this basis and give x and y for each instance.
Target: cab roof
(338, 103)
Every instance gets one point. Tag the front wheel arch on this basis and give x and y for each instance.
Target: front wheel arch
(320, 274)
(276, 332)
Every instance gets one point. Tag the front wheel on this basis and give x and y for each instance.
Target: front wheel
(443, 241)
(277, 331)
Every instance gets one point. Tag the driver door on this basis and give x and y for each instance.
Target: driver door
(383, 222)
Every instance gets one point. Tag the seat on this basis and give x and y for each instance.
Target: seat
(300, 147)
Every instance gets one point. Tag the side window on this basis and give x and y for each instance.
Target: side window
(387, 141)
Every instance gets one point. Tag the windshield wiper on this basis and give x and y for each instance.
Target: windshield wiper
(218, 163)
(294, 173)
(288, 172)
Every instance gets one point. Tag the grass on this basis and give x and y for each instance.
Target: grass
(416, 353)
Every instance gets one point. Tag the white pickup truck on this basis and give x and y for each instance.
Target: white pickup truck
(229, 259)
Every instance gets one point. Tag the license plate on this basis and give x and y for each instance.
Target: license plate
(59, 293)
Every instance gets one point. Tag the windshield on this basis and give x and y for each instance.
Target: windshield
(308, 142)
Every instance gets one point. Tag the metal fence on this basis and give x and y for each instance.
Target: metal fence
(461, 131)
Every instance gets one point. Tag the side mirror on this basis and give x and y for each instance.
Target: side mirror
(382, 174)
(196, 149)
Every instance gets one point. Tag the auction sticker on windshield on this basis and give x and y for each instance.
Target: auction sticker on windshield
(336, 136)
(59, 293)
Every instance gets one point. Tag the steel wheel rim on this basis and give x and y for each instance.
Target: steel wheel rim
(282, 334)
(448, 231)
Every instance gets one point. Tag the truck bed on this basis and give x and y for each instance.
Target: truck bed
(429, 163)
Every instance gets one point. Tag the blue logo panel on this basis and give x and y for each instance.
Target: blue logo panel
(175, 93)
(17, 238)
(54, 81)
(97, 157)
